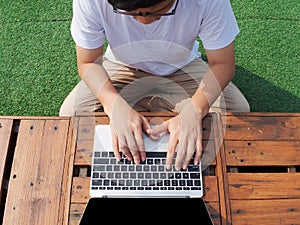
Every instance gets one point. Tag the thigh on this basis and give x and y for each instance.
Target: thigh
(181, 85)
(132, 84)
(186, 80)
(85, 100)
(80, 99)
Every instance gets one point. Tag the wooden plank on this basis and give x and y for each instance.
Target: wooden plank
(264, 185)
(36, 117)
(86, 127)
(214, 211)
(262, 153)
(211, 191)
(64, 215)
(223, 189)
(262, 212)
(261, 114)
(76, 212)
(6, 129)
(221, 172)
(84, 152)
(80, 190)
(35, 187)
(265, 127)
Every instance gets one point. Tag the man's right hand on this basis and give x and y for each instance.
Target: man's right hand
(127, 127)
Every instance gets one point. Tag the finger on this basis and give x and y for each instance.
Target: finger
(199, 150)
(157, 131)
(181, 153)
(171, 151)
(146, 125)
(123, 147)
(189, 154)
(135, 156)
(115, 146)
(125, 151)
(133, 148)
(138, 134)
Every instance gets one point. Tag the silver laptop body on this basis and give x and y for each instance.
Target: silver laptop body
(150, 179)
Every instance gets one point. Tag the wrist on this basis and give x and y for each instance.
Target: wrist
(112, 103)
(201, 107)
(108, 102)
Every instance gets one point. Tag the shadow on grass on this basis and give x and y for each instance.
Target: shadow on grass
(262, 95)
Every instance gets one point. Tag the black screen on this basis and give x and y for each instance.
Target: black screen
(137, 210)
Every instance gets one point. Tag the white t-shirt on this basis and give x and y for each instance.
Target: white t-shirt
(161, 47)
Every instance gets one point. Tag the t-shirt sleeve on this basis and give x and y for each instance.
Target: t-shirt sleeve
(219, 26)
(86, 28)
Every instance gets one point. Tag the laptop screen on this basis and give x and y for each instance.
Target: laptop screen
(138, 210)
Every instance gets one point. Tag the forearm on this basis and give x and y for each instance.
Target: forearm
(98, 81)
(91, 71)
(212, 85)
(220, 72)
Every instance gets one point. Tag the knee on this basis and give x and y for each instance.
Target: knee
(241, 106)
(246, 107)
(65, 111)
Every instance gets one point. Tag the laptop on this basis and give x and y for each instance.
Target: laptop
(150, 179)
(124, 191)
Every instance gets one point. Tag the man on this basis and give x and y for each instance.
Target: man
(152, 63)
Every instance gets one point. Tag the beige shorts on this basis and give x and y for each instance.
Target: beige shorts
(146, 92)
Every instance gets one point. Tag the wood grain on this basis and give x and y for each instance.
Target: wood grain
(6, 129)
(262, 212)
(262, 153)
(263, 127)
(35, 185)
(264, 185)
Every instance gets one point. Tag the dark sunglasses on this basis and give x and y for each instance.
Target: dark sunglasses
(124, 12)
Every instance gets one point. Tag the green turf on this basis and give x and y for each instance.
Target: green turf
(267, 54)
(38, 65)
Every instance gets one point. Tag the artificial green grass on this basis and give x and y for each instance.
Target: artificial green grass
(267, 54)
(39, 68)
(38, 65)
(267, 58)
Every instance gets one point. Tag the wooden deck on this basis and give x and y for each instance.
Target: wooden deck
(254, 178)
(35, 170)
(262, 153)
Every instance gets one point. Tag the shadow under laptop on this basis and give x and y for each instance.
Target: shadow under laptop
(137, 210)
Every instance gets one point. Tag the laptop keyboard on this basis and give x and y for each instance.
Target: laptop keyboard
(110, 174)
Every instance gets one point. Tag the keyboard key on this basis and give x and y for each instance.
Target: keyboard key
(95, 175)
(97, 182)
(99, 168)
(96, 154)
(132, 175)
(195, 175)
(149, 161)
(193, 168)
(103, 154)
